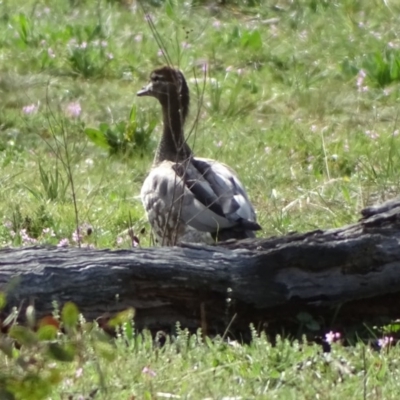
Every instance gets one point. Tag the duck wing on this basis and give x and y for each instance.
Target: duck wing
(167, 198)
(219, 199)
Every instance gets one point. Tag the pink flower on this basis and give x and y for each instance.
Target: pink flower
(30, 109)
(332, 337)
(51, 53)
(73, 42)
(135, 239)
(385, 341)
(78, 373)
(73, 110)
(26, 239)
(372, 134)
(239, 71)
(303, 35)
(8, 224)
(84, 230)
(63, 243)
(148, 371)
(76, 236)
(48, 231)
(217, 24)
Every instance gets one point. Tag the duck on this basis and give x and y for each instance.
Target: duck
(189, 199)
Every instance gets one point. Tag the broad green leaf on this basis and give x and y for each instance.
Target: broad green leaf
(105, 350)
(101, 336)
(6, 346)
(59, 352)
(97, 137)
(54, 376)
(47, 332)
(152, 125)
(23, 335)
(128, 331)
(121, 127)
(3, 300)
(304, 317)
(252, 40)
(274, 374)
(169, 8)
(122, 317)
(24, 28)
(104, 127)
(313, 325)
(392, 327)
(70, 315)
(33, 387)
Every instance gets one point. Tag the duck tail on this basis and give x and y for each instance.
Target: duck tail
(244, 230)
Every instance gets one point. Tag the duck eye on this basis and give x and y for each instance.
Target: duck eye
(155, 78)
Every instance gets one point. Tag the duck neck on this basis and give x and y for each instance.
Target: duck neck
(172, 146)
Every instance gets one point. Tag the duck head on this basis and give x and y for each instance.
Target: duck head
(169, 87)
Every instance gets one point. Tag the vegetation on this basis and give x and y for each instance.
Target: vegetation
(301, 98)
(84, 363)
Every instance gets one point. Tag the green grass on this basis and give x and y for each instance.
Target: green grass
(284, 103)
(301, 98)
(85, 363)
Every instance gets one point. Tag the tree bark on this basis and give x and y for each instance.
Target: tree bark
(351, 272)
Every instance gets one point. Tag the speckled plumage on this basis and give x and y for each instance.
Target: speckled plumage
(190, 199)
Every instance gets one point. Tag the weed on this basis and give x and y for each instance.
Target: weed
(124, 137)
(383, 68)
(53, 184)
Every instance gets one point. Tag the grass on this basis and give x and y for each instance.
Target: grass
(85, 363)
(301, 98)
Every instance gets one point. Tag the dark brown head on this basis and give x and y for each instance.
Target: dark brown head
(169, 86)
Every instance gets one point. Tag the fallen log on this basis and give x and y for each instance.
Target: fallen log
(352, 272)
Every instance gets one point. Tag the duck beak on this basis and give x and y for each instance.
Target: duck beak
(146, 90)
